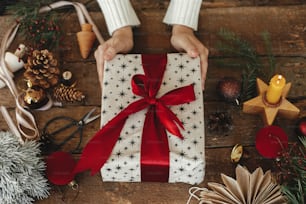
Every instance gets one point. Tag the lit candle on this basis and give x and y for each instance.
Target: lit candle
(275, 89)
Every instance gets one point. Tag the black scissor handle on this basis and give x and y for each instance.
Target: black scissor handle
(48, 137)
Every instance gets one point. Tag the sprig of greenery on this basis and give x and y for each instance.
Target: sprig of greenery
(232, 45)
(272, 64)
(40, 30)
(292, 172)
(303, 140)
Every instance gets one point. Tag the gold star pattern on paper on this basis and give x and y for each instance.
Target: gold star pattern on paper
(259, 105)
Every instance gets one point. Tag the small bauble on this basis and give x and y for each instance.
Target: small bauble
(35, 97)
(67, 78)
(229, 89)
(60, 167)
(301, 127)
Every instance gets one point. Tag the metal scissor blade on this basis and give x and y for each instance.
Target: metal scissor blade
(88, 118)
(91, 119)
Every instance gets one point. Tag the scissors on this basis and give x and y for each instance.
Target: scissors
(50, 141)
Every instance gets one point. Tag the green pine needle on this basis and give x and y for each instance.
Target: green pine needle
(303, 140)
(40, 30)
(232, 45)
(272, 64)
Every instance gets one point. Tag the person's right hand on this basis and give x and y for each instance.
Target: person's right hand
(183, 39)
(120, 42)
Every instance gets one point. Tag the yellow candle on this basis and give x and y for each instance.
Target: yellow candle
(275, 89)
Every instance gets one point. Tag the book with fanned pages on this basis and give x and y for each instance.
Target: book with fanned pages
(248, 188)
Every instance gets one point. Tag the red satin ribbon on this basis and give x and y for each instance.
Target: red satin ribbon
(159, 119)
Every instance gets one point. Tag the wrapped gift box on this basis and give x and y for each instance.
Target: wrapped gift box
(186, 156)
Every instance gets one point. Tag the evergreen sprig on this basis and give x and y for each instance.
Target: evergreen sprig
(22, 170)
(291, 174)
(232, 45)
(272, 63)
(40, 30)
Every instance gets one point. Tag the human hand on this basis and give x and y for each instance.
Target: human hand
(183, 39)
(120, 42)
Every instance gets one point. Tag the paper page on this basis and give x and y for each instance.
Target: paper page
(233, 186)
(243, 179)
(221, 189)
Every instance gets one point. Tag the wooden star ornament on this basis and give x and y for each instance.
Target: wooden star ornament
(259, 105)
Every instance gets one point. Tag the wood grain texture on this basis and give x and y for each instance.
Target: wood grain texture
(287, 33)
(92, 190)
(284, 20)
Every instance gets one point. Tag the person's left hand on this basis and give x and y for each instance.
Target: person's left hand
(183, 39)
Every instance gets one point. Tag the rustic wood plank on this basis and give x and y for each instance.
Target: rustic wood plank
(244, 128)
(291, 67)
(163, 4)
(287, 33)
(92, 189)
(240, 16)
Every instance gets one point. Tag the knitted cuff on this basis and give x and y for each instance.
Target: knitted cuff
(118, 13)
(183, 12)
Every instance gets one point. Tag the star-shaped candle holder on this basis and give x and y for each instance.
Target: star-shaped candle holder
(259, 105)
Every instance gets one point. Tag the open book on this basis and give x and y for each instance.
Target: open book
(248, 188)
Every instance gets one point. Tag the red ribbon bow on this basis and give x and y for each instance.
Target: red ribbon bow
(159, 119)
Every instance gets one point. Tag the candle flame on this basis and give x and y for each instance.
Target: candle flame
(279, 78)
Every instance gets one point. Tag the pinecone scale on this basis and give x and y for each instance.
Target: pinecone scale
(42, 70)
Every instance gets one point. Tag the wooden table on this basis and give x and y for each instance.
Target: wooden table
(284, 20)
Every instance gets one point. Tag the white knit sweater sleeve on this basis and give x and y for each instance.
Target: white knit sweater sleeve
(183, 12)
(118, 13)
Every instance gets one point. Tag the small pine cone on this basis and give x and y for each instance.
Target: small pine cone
(41, 69)
(219, 122)
(67, 93)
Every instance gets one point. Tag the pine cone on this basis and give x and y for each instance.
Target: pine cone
(41, 69)
(67, 93)
(219, 122)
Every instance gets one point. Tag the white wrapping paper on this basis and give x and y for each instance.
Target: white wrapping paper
(187, 157)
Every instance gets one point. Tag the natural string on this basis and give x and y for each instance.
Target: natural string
(192, 193)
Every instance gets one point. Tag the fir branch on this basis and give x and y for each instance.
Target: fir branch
(21, 171)
(303, 140)
(40, 30)
(232, 45)
(272, 64)
(291, 165)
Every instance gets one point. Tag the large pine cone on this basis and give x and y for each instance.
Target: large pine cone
(41, 69)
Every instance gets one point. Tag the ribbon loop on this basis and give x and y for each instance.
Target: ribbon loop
(139, 85)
